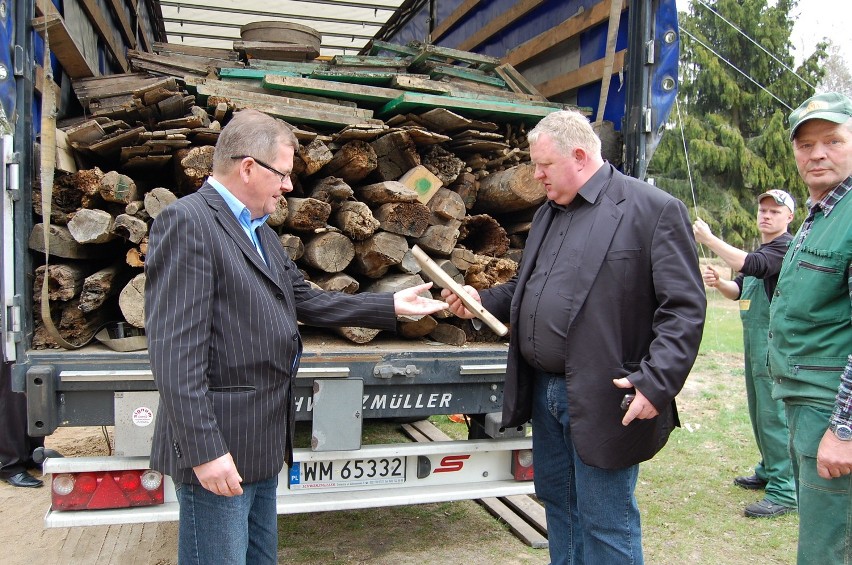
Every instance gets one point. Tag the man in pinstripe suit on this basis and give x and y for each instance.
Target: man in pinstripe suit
(222, 299)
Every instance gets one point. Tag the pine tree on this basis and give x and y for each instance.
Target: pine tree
(733, 108)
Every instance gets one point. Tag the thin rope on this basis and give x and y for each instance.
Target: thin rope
(760, 86)
(686, 157)
(759, 46)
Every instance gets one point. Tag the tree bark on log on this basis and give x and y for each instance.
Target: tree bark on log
(449, 334)
(100, 286)
(193, 165)
(509, 190)
(279, 216)
(332, 190)
(293, 245)
(337, 282)
(357, 335)
(315, 155)
(64, 281)
(439, 239)
(418, 328)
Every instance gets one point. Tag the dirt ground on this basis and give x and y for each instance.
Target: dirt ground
(459, 532)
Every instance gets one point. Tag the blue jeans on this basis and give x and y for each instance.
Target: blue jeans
(592, 515)
(235, 530)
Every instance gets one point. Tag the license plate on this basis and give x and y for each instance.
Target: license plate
(346, 473)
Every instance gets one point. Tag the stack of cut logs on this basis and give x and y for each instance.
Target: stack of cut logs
(455, 183)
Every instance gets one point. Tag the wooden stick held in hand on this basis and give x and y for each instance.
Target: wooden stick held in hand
(442, 279)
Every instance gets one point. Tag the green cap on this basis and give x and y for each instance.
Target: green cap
(831, 106)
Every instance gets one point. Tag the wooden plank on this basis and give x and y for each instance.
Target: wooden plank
(558, 34)
(123, 23)
(372, 78)
(276, 51)
(451, 20)
(300, 67)
(208, 52)
(529, 509)
(419, 84)
(293, 113)
(517, 525)
(104, 31)
(492, 109)
(63, 46)
(499, 22)
(516, 81)
(377, 46)
(255, 74)
(437, 71)
(342, 90)
(414, 433)
(582, 76)
(482, 62)
(431, 431)
(369, 61)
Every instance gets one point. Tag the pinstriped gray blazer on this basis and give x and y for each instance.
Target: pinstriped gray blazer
(223, 339)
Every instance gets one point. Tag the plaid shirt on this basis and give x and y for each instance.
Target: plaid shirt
(843, 405)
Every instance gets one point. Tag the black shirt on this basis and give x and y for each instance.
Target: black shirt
(765, 263)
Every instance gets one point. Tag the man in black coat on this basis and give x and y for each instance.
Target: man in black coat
(16, 446)
(608, 305)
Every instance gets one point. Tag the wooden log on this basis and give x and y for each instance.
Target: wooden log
(374, 255)
(137, 210)
(101, 285)
(439, 240)
(484, 235)
(352, 162)
(75, 326)
(157, 199)
(91, 226)
(293, 245)
(315, 155)
(396, 155)
(135, 256)
(279, 216)
(131, 300)
(330, 252)
(422, 181)
(306, 214)
(463, 258)
(409, 219)
(64, 281)
(357, 335)
(417, 328)
(467, 187)
(449, 334)
(130, 228)
(385, 192)
(355, 220)
(337, 282)
(116, 187)
(395, 283)
(509, 190)
(490, 271)
(332, 190)
(60, 242)
(192, 167)
(447, 205)
(443, 164)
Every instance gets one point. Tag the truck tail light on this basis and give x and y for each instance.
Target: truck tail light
(106, 489)
(522, 464)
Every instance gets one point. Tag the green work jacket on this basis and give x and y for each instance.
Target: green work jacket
(810, 332)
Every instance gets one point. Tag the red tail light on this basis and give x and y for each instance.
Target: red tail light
(107, 489)
(522, 465)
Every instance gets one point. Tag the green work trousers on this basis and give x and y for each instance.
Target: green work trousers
(825, 505)
(768, 420)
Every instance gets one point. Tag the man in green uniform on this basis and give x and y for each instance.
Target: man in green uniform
(810, 331)
(753, 287)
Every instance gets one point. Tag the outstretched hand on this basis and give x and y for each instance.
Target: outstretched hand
(408, 302)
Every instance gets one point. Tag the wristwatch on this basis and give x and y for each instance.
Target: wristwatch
(841, 431)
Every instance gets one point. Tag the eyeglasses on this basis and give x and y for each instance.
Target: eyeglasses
(281, 176)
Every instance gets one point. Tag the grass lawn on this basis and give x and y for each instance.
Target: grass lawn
(692, 513)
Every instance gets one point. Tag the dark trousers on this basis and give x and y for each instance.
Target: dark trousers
(16, 447)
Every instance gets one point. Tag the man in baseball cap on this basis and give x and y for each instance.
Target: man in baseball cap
(754, 287)
(780, 197)
(810, 331)
(831, 106)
